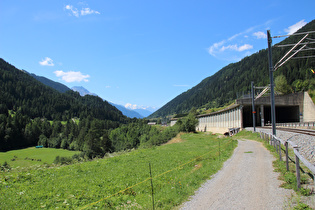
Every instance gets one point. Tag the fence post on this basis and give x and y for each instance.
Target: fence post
(151, 186)
(219, 150)
(287, 155)
(280, 156)
(274, 142)
(297, 166)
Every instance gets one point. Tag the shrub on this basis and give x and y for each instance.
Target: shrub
(63, 160)
(5, 166)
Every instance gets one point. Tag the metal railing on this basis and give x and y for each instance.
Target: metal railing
(297, 124)
(276, 142)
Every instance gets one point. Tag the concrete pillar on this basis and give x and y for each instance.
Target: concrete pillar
(241, 118)
(262, 115)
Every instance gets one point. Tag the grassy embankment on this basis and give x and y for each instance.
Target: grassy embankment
(121, 181)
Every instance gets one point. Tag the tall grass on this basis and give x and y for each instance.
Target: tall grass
(177, 169)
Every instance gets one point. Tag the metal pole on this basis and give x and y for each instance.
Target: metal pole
(151, 186)
(272, 96)
(297, 168)
(253, 107)
(287, 155)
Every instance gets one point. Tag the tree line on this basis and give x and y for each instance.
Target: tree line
(92, 136)
(32, 113)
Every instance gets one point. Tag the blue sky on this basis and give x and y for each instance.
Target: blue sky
(142, 53)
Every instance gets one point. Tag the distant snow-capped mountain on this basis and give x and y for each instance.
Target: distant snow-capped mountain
(127, 112)
(82, 91)
(143, 110)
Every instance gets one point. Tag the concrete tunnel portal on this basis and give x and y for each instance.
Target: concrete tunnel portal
(284, 114)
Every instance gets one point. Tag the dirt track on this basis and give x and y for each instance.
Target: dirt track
(246, 181)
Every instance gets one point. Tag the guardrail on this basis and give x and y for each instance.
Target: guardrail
(297, 124)
(276, 142)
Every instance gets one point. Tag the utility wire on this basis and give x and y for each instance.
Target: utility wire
(295, 34)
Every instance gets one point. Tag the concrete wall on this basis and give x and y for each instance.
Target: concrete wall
(220, 122)
(173, 122)
(294, 99)
(308, 109)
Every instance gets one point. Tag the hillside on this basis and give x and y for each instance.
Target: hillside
(127, 112)
(30, 111)
(137, 113)
(22, 92)
(55, 85)
(234, 79)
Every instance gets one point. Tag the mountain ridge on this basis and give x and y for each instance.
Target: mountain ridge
(225, 85)
(83, 91)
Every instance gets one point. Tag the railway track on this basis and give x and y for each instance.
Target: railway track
(295, 130)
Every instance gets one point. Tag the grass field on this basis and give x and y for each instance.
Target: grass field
(33, 156)
(122, 181)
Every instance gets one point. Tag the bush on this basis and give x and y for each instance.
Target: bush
(78, 157)
(63, 160)
(5, 166)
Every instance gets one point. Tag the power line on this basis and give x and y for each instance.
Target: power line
(310, 56)
(295, 34)
(288, 45)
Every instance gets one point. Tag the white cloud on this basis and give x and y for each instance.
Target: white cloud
(131, 106)
(46, 62)
(72, 76)
(212, 49)
(239, 34)
(88, 11)
(235, 47)
(220, 47)
(292, 29)
(84, 11)
(135, 106)
(260, 35)
(244, 47)
(73, 10)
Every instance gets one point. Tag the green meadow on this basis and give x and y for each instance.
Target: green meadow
(33, 156)
(120, 181)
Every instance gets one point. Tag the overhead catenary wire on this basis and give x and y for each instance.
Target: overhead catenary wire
(290, 51)
(295, 34)
(278, 66)
(262, 92)
(309, 56)
(288, 45)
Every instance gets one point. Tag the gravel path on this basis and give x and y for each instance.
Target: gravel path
(246, 181)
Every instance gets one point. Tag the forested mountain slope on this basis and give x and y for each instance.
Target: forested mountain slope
(56, 85)
(21, 92)
(31, 111)
(224, 86)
